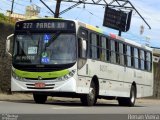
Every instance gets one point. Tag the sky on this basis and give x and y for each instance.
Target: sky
(93, 14)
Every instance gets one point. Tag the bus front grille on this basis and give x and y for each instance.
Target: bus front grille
(40, 88)
(41, 79)
(47, 86)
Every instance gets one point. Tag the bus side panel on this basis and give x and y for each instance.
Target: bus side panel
(114, 80)
(83, 80)
(109, 77)
(83, 84)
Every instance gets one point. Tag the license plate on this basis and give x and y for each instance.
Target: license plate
(39, 85)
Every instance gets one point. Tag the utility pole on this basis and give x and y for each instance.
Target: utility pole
(11, 11)
(12, 6)
(120, 33)
(57, 9)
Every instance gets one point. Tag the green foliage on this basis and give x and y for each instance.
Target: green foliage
(2, 16)
(6, 19)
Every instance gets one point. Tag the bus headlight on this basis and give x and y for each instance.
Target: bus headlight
(72, 73)
(66, 77)
(15, 76)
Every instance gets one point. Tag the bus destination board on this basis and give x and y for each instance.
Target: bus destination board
(45, 25)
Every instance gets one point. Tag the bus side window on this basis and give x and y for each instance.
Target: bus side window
(148, 61)
(93, 46)
(103, 55)
(113, 54)
(136, 60)
(132, 57)
(108, 48)
(125, 54)
(142, 59)
(128, 53)
(121, 53)
(117, 52)
(98, 47)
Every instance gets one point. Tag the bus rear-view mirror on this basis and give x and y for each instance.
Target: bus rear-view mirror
(8, 44)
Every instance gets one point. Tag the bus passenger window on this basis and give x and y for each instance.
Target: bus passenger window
(108, 49)
(93, 46)
(148, 61)
(132, 57)
(113, 54)
(117, 52)
(128, 53)
(121, 54)
(136, 60)
(142, 59)
(125, 54)
(103, 49)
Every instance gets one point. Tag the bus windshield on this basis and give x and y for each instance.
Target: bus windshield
(44, 48)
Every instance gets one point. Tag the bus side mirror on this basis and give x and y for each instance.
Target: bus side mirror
(82, 48)
(8, 44)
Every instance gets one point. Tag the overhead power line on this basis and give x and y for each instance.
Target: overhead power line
(120, 4)
(5, 2)
(69, 8)
(47, 6)
(12, 1)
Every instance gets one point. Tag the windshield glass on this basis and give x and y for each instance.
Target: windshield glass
(45, 48)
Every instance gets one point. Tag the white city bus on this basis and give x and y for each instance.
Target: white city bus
(57, 57)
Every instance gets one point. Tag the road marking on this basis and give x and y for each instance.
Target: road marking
(66, 107)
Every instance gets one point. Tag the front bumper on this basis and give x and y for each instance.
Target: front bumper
(68, 85)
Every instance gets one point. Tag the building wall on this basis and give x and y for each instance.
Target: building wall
(15, 15)
(5, 61)
(156, 58)
(156, 91)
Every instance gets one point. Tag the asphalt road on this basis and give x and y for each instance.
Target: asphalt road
(73, 107)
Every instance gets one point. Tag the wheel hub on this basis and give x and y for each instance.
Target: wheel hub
(91, 93)
(132, 97)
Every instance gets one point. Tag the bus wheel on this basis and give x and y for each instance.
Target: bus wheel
(128, 101)
(90, 99)
(39, 98)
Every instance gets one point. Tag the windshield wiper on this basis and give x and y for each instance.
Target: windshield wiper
(53, 38)
(30, 35)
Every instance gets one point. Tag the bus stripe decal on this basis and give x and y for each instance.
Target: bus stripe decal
(53, 74)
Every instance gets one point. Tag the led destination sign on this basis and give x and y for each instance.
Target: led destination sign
(46, 25)
(116, 19)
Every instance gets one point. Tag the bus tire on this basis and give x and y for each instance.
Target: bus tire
(91, 98)
(129, 101)
(39, 98)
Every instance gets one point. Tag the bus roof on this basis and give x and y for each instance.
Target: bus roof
(114, 36)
